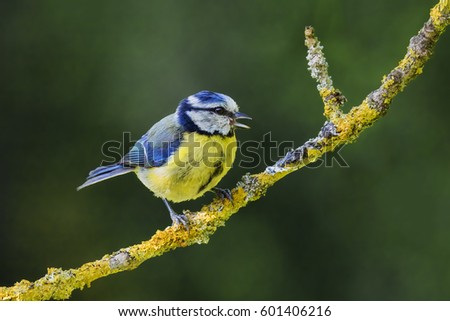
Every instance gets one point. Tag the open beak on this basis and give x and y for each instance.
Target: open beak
(239, 115)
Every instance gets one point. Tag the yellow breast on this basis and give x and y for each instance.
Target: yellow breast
(197, 166)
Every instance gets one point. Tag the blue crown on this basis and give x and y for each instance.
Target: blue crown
(209, 97)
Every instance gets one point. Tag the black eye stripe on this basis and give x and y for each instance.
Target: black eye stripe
(220, 110)
(214, 110)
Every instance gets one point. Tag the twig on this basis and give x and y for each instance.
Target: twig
(339, 129)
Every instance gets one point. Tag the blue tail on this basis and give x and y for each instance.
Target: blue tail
(105, 172)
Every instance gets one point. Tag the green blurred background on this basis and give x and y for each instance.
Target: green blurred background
(75, 74)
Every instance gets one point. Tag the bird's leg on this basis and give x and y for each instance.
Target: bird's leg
(223, 193)
(176, 218)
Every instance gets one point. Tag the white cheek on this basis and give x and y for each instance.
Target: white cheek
(223, 125)
(210, 124)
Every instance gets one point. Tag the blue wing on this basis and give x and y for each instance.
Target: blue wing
(156, 146)
(147, 153)
(152, 150)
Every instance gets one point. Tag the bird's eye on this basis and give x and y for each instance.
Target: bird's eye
(220, 110)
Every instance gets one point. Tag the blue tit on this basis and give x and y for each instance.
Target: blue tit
(185, 154)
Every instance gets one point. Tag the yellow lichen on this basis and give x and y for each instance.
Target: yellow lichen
(314, 154)
(387, 82)
(357, 119)
(325, 92)
(438, 12)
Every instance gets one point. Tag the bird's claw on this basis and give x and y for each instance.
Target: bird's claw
(223, 193)
(178, 219)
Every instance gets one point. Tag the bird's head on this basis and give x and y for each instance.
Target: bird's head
(210, 113)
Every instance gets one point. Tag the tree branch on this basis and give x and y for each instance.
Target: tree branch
(339, 129)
